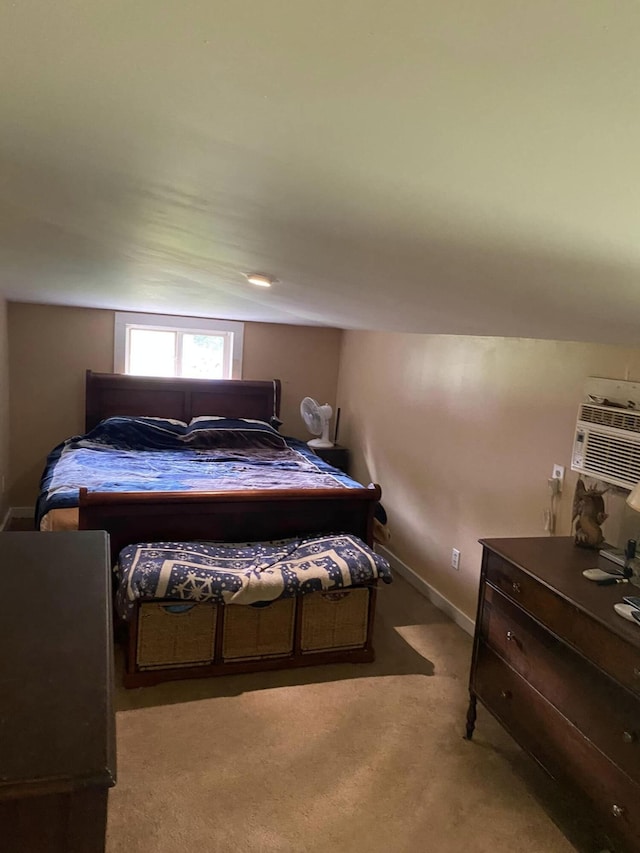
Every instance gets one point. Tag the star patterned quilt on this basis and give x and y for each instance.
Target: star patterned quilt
(244, 573)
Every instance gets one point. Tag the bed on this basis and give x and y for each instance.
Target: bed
(148, 435)
(276, 490)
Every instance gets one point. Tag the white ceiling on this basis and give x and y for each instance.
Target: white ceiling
(419, 165)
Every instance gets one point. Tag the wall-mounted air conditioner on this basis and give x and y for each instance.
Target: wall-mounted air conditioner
(607, 444)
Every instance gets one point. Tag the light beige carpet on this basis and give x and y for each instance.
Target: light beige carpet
(353, 759)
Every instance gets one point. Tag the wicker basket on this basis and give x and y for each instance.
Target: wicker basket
(173, 634)
(335, 620)
(258, 632)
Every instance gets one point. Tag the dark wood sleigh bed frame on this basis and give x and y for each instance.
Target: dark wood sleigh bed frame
(229, 516)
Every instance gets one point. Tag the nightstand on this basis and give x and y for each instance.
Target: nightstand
(337, 456)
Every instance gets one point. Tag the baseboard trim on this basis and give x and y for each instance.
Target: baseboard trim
(437, 599)
(16, 512)
(21, 512)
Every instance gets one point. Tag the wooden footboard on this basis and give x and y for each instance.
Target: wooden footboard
(238, 516)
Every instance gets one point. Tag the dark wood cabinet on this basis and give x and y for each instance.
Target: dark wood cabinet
(560, 669)
(57, 724)
(337, 456)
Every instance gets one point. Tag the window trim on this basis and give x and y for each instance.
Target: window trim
(125, 320)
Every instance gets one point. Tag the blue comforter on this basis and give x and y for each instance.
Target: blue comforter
(153, 454)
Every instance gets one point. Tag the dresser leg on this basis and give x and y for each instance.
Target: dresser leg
(471, 716)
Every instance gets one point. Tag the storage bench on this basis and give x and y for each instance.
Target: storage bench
(266, 606)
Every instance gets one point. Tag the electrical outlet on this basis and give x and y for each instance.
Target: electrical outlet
(558, 474)
(455, 559)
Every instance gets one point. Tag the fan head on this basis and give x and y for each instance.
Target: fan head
(316, 418)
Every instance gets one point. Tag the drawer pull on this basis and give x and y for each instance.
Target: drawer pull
(515, 586)
(510, 636)
(617, 811)
(636, 672)
(505, 694)
(629, 737)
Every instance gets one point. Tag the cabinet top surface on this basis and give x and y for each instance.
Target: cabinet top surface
(56, 717)
(558, 564)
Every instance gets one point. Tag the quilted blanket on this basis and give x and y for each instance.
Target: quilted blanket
(140, 454)
(253, 573)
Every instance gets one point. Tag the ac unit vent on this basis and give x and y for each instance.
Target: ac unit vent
(607, 444)
(606, 416)
(612, 459)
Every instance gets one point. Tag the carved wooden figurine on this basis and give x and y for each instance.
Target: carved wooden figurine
(588, 515)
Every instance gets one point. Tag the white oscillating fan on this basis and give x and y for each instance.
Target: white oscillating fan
(316, 418)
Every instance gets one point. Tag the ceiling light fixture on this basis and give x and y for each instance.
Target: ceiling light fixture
(260, 279)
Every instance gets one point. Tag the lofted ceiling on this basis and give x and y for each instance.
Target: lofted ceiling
(441, 166)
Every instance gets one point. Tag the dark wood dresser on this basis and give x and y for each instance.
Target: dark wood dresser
(57, 725)
(560, 669)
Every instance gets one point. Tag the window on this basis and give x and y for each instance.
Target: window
(158, 345)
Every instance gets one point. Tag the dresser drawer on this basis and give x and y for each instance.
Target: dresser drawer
(547, 735)
(602, 710)
(611, 653)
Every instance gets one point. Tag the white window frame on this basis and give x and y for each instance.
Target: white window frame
(231, 329)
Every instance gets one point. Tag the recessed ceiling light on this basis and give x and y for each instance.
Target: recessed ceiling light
(260, 279)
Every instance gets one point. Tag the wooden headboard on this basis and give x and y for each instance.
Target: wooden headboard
(111, 394)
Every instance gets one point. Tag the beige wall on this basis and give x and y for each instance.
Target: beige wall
(52, 346)
(4, 410)
(305, 358)
(462, 434)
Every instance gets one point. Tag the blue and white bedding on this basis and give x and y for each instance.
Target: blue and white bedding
(254, 574)
(126, 454)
